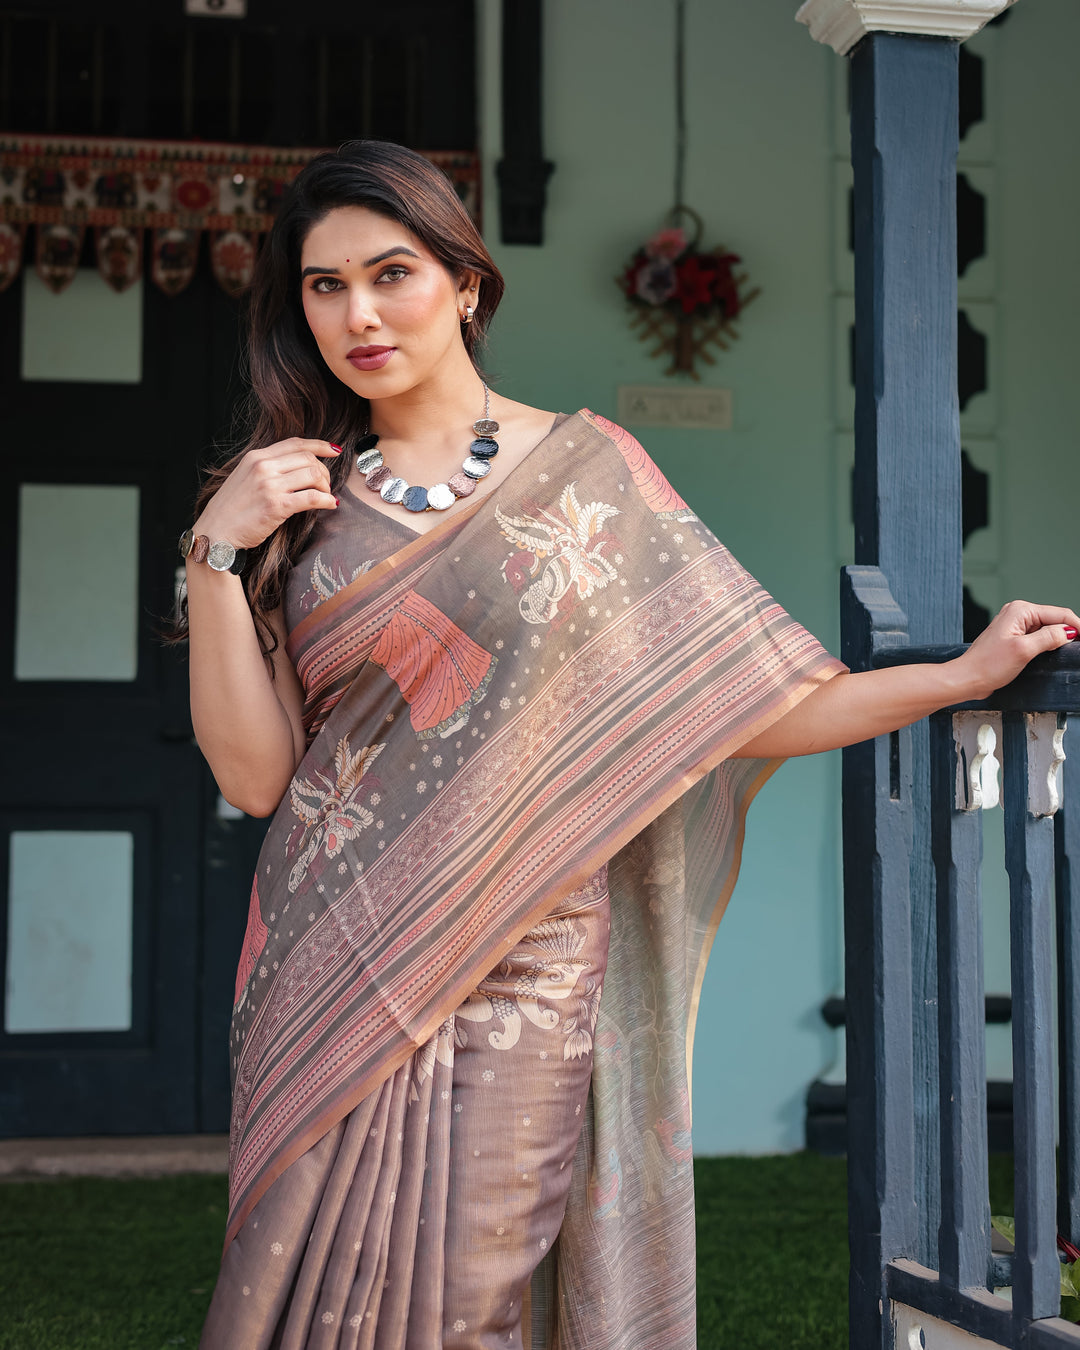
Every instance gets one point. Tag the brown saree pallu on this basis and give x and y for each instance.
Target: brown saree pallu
(547, 682)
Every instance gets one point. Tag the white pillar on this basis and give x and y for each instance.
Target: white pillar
(843, 23)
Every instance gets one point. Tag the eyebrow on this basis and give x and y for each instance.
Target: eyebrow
(368, 262)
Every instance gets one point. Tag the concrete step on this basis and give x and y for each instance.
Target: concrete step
(142, 1156)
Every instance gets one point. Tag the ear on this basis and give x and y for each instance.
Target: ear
(469, 287)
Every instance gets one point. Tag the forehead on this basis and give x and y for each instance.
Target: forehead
(353, 233)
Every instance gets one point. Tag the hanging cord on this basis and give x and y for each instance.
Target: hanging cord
(680, 101)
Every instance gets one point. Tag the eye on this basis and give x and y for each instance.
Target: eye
(395, 272)
(325, 285)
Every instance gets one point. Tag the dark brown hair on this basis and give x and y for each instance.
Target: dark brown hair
(293, 393)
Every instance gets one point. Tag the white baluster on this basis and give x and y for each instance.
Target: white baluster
(1046, 755)
(977, 736)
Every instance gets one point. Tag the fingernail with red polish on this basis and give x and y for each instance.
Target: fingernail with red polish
(1071, 633)
(337, 501)
(335, 447)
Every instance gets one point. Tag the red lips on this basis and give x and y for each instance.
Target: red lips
(369, 358)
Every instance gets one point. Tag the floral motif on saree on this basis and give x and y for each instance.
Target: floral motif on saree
(330, 808)
(326, 581)
(536, 716)
(553, 976)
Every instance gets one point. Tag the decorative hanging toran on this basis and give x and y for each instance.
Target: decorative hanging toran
(175, 191)
(684, 299)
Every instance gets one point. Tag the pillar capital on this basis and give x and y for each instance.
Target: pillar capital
(843, 23)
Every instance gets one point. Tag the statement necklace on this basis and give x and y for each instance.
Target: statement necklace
(380, 477)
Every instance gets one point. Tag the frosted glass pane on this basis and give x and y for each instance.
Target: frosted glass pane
(69, 931)
(77, 598)
(87, 332)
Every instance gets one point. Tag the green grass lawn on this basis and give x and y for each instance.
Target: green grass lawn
(772, 1253)
(89, 1264)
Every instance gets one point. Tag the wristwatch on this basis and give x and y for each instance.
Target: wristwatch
(219, 556)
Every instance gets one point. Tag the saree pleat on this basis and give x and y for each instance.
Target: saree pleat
(374, 1264)
(429, 1187)
(361, 1295)
(354, 1215)
(347, 1207)
(551, 681)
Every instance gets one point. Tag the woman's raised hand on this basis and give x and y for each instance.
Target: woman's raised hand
(266, 488)
(1017, 633)
(248, 724)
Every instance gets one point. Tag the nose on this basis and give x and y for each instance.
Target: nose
(361, 315)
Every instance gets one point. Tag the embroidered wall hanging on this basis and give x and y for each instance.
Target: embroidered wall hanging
(173, 191)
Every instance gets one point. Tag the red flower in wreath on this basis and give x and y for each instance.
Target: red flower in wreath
(684, 297)
(670, 272)
(694, 280)
(724, 287)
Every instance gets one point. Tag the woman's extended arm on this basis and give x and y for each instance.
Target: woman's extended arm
(856, 707)
(248, 724)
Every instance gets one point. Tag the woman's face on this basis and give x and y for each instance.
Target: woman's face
(383, 310)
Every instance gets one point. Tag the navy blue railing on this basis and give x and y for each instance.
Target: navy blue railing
(916, 1090)
(1042, 854)
(1067, 858)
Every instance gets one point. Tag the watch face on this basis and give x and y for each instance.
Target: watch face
(221, 556)
(186, 541)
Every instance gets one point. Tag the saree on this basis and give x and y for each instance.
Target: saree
(543, 690)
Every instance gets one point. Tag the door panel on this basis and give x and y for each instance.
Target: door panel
(76, 605)
(70, 912)
(103, 807)
(63, 1069)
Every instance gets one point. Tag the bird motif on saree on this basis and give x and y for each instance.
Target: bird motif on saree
(560, 558)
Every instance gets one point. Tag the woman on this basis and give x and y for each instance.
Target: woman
(507, 717)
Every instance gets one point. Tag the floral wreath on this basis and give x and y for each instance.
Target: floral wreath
(685, 299)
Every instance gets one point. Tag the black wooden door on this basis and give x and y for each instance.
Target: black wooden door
(104, 802)
(123, 880)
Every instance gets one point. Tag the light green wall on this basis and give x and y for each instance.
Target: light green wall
(1038, 352)
(759, 109)
(763, 105)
